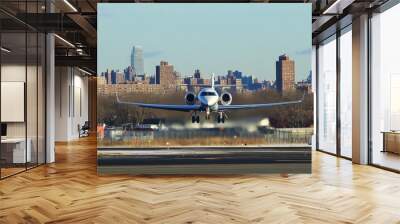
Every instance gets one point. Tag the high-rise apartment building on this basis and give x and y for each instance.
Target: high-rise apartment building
(165, 74)
(285, 74)
(137, 62)
(120, 78)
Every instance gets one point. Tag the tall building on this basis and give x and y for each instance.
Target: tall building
(197, 74)
(247, 81)
(229, 74)
(237, 74)
(137, 60)
(165, 74)
(285, 74)
(107, 75)
(120, 78)
(113, 77)
(309, 77)
(129, 74)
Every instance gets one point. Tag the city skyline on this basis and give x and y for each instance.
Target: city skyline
(194, 74)
(166, 78)
(198, 42)
(285, 73)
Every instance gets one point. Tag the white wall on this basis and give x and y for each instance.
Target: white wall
(33, 126)
(61, 103)
(71, 103)
(12, 73)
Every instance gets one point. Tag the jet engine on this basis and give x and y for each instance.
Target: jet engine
(226, 98)
(190, 98)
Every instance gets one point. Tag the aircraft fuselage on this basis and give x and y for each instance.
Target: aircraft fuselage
(208, 98)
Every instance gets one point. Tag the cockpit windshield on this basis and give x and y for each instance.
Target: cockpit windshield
(207, 94)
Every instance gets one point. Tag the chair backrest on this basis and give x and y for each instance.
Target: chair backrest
(86, 125)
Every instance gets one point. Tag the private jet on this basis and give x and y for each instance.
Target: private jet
(209, 101)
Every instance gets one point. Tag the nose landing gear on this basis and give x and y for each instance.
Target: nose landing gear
(195, 118)
(207, 113)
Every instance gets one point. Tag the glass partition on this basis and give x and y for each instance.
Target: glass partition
(22, 91)
(385, 89)
(346, 93)
(327, 95)
(13, 92)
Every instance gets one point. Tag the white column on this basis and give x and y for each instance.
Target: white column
(62, 103)
(50, 98)
(360, 90)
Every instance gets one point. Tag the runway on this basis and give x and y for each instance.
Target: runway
(205, 160)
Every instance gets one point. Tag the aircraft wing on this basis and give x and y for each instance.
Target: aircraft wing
(162, 106)
(208, 85)
(197, 85)
(256, 106)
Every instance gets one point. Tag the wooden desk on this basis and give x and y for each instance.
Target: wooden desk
(391, 141)
(13, 150)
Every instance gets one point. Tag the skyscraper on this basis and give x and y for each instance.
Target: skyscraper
(237, 74)
(107, 75)
(165, 74)
(129, 73)
(285, 74)
(113, 77)
(197, 74)
(137, 60)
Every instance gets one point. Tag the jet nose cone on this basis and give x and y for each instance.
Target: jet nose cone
(212, 101)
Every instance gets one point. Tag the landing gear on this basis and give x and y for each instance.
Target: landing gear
(221, 117)
(195, 118)
(207, 113)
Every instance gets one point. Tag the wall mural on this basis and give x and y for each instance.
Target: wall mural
(204, 88)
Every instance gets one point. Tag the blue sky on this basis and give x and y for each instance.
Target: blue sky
(210, 37)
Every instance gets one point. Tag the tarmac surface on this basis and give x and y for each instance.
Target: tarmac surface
(204, 160)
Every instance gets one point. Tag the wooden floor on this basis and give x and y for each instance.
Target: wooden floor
(70, 191)
(387, 159)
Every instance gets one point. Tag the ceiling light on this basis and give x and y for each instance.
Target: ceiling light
(338, 6)
(65, 41)
(5, 50)
(84, 71)
(70, 5)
